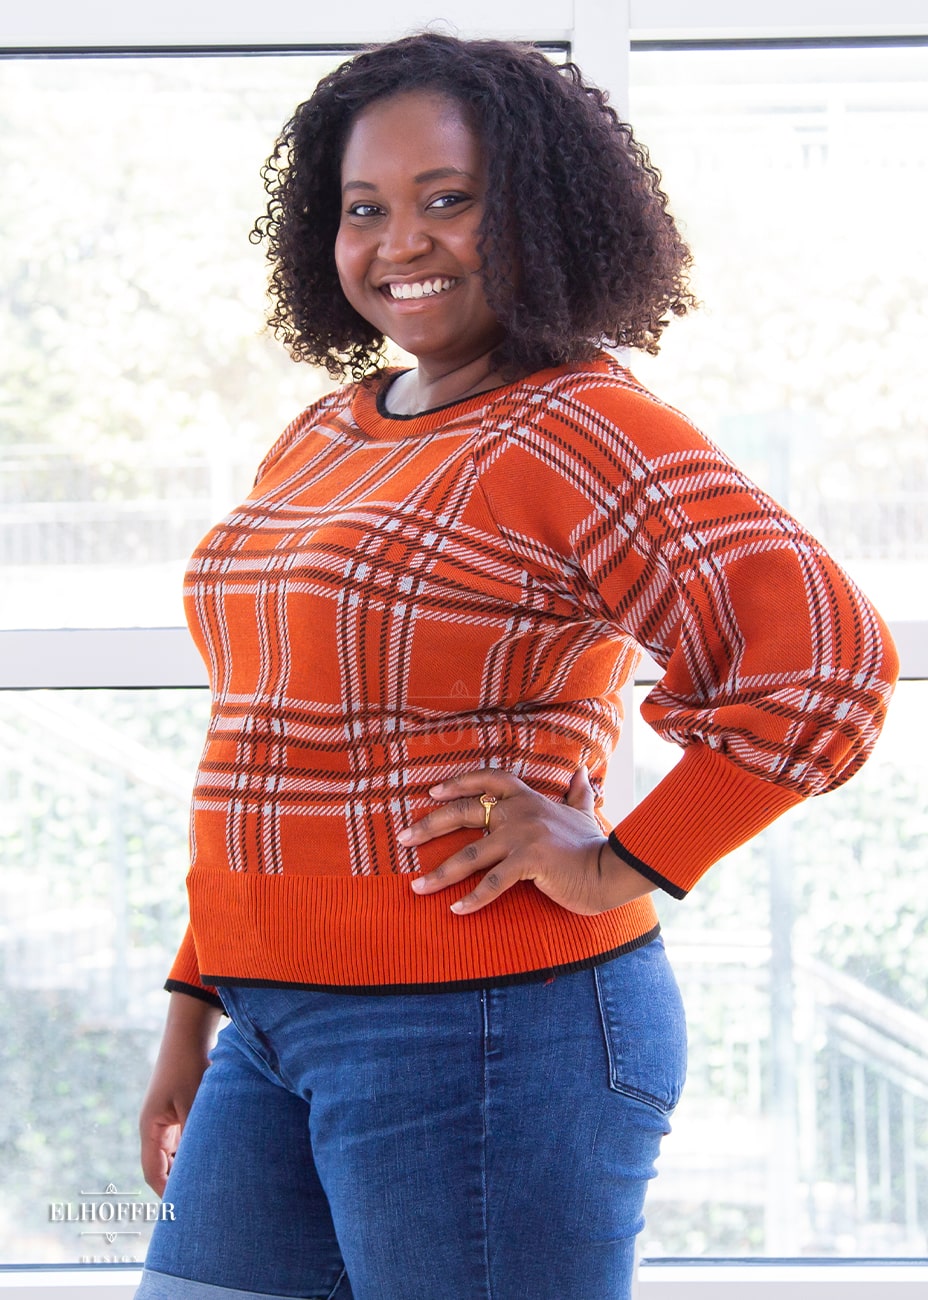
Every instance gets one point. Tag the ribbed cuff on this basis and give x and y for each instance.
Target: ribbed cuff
(619, 849)
(704, 808)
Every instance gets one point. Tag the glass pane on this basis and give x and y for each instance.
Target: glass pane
(803, 961)
(139, 391)
(94, 845)
(801, 179)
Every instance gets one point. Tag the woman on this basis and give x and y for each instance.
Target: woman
(455, 1041)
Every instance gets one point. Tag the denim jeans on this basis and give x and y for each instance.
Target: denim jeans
(489, 1144)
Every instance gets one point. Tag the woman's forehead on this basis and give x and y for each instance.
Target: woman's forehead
(415, 130)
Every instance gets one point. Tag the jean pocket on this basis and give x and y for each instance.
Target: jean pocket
(643, 1025)
(235, 999)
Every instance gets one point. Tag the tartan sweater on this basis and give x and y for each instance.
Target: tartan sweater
(403, 598)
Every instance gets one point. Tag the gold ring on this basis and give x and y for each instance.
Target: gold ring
(488, 801)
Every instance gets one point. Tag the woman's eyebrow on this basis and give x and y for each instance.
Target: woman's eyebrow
(434, 174)
(441, 173)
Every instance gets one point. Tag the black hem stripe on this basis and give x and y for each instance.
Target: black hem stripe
(619, 849)
(447, 986)
(178, 986)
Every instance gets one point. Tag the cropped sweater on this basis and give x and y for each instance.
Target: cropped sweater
(405, 598)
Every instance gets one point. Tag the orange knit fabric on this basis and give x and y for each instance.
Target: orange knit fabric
(404, 598)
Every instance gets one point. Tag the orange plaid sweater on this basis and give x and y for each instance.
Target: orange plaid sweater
(403, 598)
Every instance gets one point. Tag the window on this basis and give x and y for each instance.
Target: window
(138, 396)
(96, 787)
(804, 958)
(800, 176)
(139, 390)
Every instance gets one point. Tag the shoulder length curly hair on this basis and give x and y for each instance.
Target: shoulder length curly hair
(573, 204)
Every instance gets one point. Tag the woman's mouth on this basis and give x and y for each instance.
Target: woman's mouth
(419, 288)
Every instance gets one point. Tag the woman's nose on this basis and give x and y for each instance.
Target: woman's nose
(403, 238)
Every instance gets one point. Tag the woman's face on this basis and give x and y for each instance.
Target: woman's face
(413, 189)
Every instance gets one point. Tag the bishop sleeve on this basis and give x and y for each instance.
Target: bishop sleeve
(777, 670)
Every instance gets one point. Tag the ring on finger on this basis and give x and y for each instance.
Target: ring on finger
(489, 801)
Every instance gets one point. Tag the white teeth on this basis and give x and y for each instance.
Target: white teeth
(421, 288)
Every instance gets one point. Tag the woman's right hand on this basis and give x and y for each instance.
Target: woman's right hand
(182, 1060)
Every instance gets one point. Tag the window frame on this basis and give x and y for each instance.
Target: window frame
(683, 1279)
(600, 34)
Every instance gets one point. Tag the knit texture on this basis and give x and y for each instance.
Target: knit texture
(405, 598)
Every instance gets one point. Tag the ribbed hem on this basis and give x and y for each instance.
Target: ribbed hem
(545, 976)
(185, 971)
(194, 991)
(364, 932)
(705, 807)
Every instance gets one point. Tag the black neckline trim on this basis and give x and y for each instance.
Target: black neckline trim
(431, 410)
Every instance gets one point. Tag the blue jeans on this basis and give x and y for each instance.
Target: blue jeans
(489, 1144)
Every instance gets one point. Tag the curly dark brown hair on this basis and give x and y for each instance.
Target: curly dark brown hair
(572, 201)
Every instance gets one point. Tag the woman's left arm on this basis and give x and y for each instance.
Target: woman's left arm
(777, 670)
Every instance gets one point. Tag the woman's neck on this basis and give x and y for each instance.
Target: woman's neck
(420, 390)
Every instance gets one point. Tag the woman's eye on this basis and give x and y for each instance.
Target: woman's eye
(445, 201)
(363, 210)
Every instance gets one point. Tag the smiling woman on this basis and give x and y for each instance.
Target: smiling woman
(408, 246)
(441, 962)
(576, 245)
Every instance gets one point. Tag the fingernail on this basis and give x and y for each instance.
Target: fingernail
(405, 837)
(419, 885)
(435, 790)
(458, 907)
